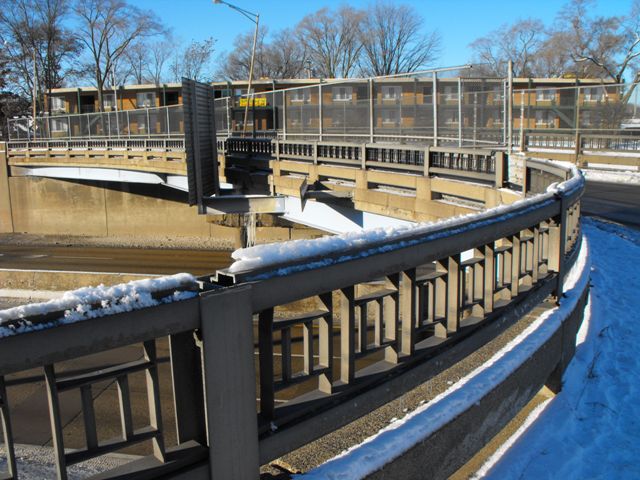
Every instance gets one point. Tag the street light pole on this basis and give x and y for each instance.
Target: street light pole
(255, 18)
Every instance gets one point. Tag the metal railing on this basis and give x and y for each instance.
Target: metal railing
(161, 122)
(421, 108)
(483, 165)
(146, 144)
(369, 312)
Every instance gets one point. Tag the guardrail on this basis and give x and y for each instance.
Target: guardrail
(585, 148)
(148, 144)
(371, 309)
(486, 166)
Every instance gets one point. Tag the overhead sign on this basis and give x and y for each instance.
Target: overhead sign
(253, 102)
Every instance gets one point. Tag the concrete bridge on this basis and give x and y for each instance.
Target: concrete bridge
(375, 316)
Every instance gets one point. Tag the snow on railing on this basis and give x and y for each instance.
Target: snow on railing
(317, 252)
(92, 302)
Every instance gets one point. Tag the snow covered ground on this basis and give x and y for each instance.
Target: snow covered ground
(622, 176)
(589, 430)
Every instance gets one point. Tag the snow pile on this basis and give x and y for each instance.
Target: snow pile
(401, 435)
(591, 429)
(381, 239)
(628, 177)
(93, 302)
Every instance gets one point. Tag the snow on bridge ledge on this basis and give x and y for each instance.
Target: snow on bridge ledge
(92, 302)
(273, 254)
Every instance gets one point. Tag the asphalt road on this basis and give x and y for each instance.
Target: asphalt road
(120, 260)
(613, 201)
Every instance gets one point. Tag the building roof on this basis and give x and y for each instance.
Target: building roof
(294, 82)
(149, 86)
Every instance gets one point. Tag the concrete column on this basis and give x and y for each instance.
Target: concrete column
(229, 373)
(6, 217)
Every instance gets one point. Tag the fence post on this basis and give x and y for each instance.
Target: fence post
(499, 169)
(371, 114)
(229, 378)
(522, 145)
(320, 123)
(284, 114)
(435, 109)
(459, 112)
(557, 247)
(578, 148)
(510, 108)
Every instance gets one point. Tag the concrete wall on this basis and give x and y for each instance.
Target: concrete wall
(57, 207)
(47, 206)
(452, 445)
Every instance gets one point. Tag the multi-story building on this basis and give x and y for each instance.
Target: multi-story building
(472, 107)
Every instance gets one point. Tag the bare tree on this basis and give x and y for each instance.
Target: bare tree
(194, 61)
(136, 59)
(393, 42)
(39, 49)
(552, 59)
(159, 54)
(331, 40)
(235, 64)
(519, 43)
(283, 57)
(604, 46)
(108, 28)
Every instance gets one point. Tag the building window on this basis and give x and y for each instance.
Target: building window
(58, 104)
(342, 94)
(594, 94)
(546, 95)
(59, 125)
(146, 99)
(301, 95)
(109, 100)
(450, 92)
(391, 118)
(545, 118)
(391, 92)
(585, 121)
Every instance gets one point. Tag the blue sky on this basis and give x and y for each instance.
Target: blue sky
(458, 21)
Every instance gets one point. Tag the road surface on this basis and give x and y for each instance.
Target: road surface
(613, 201)
(119, 260)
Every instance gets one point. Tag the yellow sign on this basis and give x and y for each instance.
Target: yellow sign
(257, 102)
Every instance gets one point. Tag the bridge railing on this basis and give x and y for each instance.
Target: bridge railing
(156, 144)
(379, 306)
(155, 122)
(336, 317)
(479, 164)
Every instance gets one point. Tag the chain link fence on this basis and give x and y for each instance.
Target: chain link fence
(420, 109)
(158, 122)
(463, 111)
